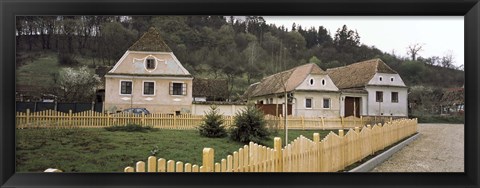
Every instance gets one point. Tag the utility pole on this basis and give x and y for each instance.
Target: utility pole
(286, 114)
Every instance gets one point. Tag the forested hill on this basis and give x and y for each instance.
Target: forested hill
(241, 51)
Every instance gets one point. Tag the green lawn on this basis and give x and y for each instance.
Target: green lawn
(42, 69)
(98, 150)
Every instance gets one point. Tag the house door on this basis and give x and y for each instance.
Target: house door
(352, 106)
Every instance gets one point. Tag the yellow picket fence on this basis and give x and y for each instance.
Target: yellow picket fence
(86, 119)
(56, 119)
(331, 154)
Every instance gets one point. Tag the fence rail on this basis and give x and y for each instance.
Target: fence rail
(86, 119)
(334, 153)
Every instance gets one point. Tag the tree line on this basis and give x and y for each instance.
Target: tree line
(240, 49)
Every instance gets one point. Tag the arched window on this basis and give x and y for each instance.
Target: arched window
(311, 81)
(150, 63)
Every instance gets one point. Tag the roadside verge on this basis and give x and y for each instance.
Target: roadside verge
(380, 158)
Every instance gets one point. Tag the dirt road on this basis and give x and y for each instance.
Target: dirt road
(440, 148)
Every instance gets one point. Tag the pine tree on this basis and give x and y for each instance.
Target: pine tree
(212, 125)
(249, 125)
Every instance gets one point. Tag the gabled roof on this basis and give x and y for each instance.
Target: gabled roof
(292, 79)
(358, 74)
(151, 41)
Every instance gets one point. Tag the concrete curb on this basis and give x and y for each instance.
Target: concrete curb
(372, 163)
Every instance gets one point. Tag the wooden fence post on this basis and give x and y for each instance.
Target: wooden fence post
(342, 147)
(208, 159)
(28, 116)
(357, 130)
(143, 118)
(128, 169)
(316, 140)
(170, 166)
(70, 118)
(152, 164)
(108, 119)
(140, 166)
(323, 123)
(179, 167)
(303, 123)
(278, 154)
(361, 120)
(161, 165)
(175, 121)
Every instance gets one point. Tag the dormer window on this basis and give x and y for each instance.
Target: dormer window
(380, 78)
(323, 82)
(391, 79)
(150, 63)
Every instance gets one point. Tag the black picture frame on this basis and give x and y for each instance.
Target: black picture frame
(470, 9)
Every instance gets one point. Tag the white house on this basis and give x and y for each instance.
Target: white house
(149, 76)
(370, 88)
(310, 91)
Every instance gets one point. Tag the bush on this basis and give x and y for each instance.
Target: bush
(249, 125)
(67, 59)
(129, 128)
(439, 119)
(212, 125)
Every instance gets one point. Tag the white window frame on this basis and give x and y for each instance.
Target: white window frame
(154, 63)
(154, 88)
(311, 82)
(311, 103)
(120, 87)
(391, 97)
(324, 82)
(329, 103)
(380, 78)
(376, 99)
(178, 82)
(392, 79)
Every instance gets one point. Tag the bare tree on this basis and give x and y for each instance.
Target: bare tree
(447, 60)
(413, 50)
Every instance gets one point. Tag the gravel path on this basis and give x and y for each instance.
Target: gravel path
(440, 148)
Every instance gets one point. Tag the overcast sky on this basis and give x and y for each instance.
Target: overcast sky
(438, 34)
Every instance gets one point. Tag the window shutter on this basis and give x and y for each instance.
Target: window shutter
(184, 89)
(171, 88)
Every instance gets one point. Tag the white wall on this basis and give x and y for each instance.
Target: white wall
(317, 83)
(317, 110)
(228, 110)
(386, 80)
(387, 107)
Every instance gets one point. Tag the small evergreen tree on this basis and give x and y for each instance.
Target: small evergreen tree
(212, 125)
(249, 125)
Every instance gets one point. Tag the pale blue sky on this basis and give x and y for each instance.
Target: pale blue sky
(438, 34)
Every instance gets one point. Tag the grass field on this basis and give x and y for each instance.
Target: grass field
(42, 68)
(98, 150)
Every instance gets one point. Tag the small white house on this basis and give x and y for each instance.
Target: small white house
(310, 93)
(370, 88)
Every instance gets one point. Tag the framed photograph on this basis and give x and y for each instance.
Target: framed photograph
(239, 93)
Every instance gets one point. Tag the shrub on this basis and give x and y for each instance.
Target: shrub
(212, 125)
(249, 125)
(129, 128)
(67, 59)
